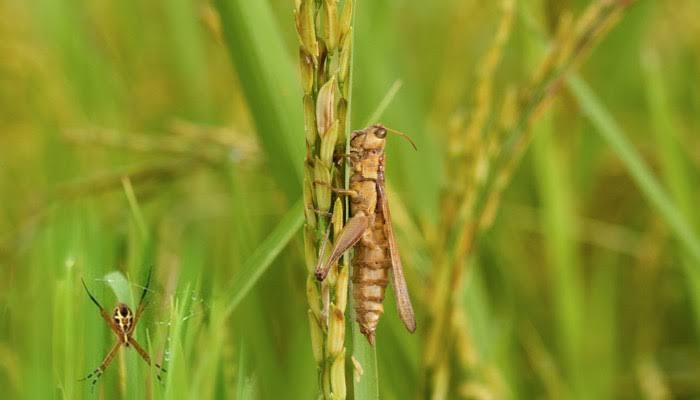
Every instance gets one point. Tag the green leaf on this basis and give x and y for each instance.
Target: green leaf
(264, 255)
(615, 137)
(179, 370)
(245, 384)
(675, 173)
(120, 286)
(559, 229)
(366, 356)
(270, 84)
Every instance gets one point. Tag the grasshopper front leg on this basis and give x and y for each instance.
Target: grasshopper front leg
(339, 191)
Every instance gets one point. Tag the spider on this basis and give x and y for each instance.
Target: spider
(122, 322)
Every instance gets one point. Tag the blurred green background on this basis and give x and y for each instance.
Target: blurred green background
(170, 133)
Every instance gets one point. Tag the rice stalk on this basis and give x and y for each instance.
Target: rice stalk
(213, 150)
(467, 145)
(325, 54)
(482, 161)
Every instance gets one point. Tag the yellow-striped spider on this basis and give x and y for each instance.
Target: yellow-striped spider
(122, 322)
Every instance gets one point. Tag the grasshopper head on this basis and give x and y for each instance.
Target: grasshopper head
(370, 138)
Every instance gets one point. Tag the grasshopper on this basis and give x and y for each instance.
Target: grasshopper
(369, 230)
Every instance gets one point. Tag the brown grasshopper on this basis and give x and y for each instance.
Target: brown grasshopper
(369, 230)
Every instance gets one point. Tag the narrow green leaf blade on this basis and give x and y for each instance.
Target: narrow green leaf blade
(264, 255)
(245, 384)
(268, 78)
(119, 285)
(366, 356)
(615, 137)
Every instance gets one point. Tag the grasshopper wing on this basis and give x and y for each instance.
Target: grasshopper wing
(351, 234)
(403, 301)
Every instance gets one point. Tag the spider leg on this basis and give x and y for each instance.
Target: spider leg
(105, 315)
(146, 357)
(139, 309)
(97, 373)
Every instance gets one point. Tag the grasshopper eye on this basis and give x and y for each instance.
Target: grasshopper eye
(380, 133)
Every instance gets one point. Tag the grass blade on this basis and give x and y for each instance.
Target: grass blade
(134, 206)
(614, 136)
(269, 81)
(675, 174)
(366, 356)
(120, 286)
(264, 255)
(245, 384)
(384, 104)
(559, 228)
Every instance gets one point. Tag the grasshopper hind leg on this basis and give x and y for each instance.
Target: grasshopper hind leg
(351, 234)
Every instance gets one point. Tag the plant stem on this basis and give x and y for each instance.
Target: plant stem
(325, 57)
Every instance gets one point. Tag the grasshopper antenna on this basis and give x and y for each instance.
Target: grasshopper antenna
(405, 136)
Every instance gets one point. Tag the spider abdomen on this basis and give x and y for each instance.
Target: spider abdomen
(123, 318)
